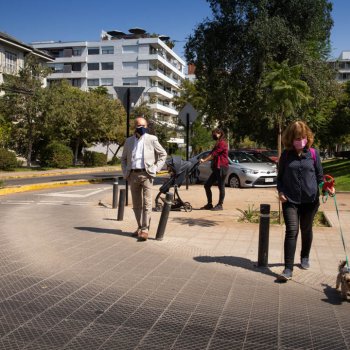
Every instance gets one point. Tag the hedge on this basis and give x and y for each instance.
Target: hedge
(57, 155)
(8, 160)
(93, 159)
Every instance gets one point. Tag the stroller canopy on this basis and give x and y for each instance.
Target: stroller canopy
(179, 166)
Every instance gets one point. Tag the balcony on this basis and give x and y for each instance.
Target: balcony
(159, 91)
(63, 75)
(72, 59)
(163, 109)
(157, 75)
(156, 57)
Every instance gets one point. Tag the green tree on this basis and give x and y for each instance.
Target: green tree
(233, 49)
(336, 127)
(111, 119)
(286, 92)
(201, 129)
(81, 118)
(5, 131)
(25, 104)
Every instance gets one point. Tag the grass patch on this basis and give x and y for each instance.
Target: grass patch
(340, 170)
(252, 215)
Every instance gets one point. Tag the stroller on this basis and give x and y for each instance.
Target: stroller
(177, 168)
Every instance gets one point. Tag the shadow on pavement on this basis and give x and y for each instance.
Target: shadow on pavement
(195, 222)
(237, 262)
(103, 230)
(333, 296)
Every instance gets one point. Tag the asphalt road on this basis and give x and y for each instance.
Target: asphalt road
(89, 176)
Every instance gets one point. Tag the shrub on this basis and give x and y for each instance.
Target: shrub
(8, 159)
(92, 158)
(56, 155)
(114, 161)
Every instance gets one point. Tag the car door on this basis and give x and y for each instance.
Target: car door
(204, 169)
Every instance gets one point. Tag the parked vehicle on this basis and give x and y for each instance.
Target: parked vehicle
(272, 154)
(245, 170)
(262, 153)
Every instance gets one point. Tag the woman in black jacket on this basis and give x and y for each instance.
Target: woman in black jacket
(299, 175)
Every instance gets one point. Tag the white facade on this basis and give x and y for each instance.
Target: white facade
(122, 60)
(12, 54)
(342, 67)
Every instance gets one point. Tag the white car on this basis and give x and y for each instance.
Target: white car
(245, 170)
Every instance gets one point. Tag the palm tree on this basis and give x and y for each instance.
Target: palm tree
(286, 92)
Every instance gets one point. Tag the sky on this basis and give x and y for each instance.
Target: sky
(83, 20)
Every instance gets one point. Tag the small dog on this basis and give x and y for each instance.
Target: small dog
(343, 280)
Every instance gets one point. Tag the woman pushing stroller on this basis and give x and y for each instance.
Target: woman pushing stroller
(219, 158)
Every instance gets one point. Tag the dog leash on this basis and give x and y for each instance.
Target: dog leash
(329, 182)
(341, 233)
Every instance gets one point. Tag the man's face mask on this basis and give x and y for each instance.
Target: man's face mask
(141, 130)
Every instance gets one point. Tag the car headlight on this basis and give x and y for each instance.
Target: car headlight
(250, 171)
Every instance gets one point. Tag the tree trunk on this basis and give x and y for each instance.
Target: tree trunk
(116, 152)
(29, 153)
(107, 149)
(77, 142)
(279, 139)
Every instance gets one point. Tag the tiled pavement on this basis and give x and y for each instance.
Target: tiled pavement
(71, 277)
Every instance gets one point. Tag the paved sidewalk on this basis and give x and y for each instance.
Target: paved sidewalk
(77, 280)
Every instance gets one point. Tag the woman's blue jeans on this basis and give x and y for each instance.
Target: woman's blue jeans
(294, 215)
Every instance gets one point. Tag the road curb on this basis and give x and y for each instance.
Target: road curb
(70, 171)
(47, 185)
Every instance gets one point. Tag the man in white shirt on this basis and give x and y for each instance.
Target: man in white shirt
(143, 156)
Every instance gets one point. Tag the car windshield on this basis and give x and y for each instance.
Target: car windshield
(261, 157)
(243, 157)
(270, 153)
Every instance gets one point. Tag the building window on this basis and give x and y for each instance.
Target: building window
(93, 51)
(76, 67)
(130, 49)
(76, 82)
(130, 65)
(107, 65)
(107, 50)
(130, 81)
(107, 81)
(77, 51)
(93, 66)
(10, 62)
(93, 82)
(56, 67)
(55, 53)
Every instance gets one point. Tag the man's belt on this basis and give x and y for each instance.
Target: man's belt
(137, 170)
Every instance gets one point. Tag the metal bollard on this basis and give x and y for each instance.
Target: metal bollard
(115, 194)
(168, 201)
(121, 205)
(264, 228)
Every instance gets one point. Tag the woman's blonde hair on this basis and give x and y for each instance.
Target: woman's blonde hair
(295, 130)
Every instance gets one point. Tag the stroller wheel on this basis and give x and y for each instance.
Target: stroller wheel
(159, 207)
(187, 206)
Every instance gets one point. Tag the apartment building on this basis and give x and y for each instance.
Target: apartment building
(342, 66)
(13, 53)
(122, 59)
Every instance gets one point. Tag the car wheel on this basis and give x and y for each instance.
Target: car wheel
(233, 181)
